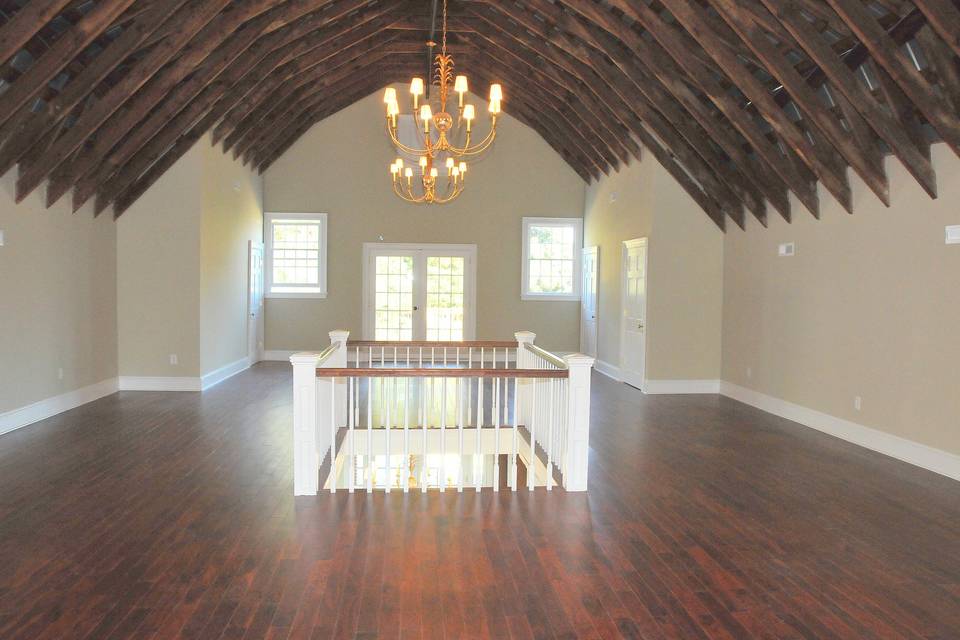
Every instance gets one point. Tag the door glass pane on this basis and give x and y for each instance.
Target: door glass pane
(445, 297)
(394, 298)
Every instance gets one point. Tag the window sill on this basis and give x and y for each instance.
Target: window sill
(317, 295)
(550, 297)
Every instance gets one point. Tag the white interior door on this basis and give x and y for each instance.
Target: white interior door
(255, 327)
(588, 301)
(633, 304)
(419, 292)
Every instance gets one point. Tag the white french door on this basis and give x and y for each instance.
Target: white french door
(419, 292)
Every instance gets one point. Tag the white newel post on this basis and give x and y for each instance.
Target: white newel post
(306, 459)
(578, 422)
(525, 386)
(311, 412)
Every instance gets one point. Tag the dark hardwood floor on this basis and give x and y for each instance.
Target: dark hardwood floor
(152, 515)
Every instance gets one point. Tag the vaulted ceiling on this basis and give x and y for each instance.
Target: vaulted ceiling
(742, 101)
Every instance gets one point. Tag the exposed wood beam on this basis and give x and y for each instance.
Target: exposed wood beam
(677, 46)
(221, 77)
(194, 20)
(31, 126)
(25, 24)
(59, 55)
(886, 54)
(843, 81)
(815, 156)
(594, 118)
(944, 17)
(655, 98)
(616, 123)
(813, 109)
(224, 38)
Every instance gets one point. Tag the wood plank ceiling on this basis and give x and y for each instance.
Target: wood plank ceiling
(742, 101)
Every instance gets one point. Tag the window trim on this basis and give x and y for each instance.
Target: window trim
(577, 224)
(268, 220)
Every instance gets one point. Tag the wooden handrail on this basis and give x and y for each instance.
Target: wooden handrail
(447, 372)
(429, 343)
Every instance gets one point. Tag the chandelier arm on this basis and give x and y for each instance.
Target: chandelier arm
(403, 147)
(479, 148)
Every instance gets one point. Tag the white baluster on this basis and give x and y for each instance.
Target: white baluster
(406, 428)
(388, 392)
(460, 430)
(333, 435)
(495, 407)
(516, 414)
(351, 469)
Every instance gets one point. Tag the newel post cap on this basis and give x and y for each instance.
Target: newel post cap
(305, 357)
(525, 336)
(578, 360)
(339, 335)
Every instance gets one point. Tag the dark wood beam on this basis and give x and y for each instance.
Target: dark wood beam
(287, 78)
(887, 54)
(595, 120)
(869, 168)
(656, 97)
(193, 94)
(615, 93)
(843, 81)
(815, 156)
(193, 22)
(944, 18)
(30, 19)
(674, 42)
(31, 126)
(59, 55)
(615, 122)
(944, 64)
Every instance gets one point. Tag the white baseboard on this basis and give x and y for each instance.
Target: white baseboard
(227, 371)
(44, 409)
(655, 387)
(607, 369)
(275, 355)
(159, 383)
(921, 455)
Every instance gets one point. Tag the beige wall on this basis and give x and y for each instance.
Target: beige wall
(869, 306)
(57, 298)
(684, 277)
(182, 267)
(340, 168)
(158, 266)
(232, 217)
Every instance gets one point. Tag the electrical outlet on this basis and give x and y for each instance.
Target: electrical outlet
(857, 402)
(1, 237)
(60, 373)
(749, 373)
(173, 359)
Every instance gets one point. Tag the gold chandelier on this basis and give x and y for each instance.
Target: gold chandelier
(437, 149)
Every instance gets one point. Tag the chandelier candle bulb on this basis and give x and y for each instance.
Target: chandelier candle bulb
(390, 95)
(496, 93)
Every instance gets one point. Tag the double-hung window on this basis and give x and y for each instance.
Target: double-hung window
(295, 255)
(551, 258)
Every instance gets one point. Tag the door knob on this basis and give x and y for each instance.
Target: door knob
(639, 325)
(416, 308)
